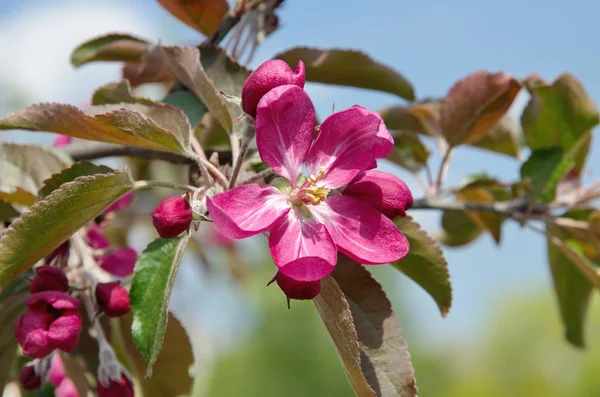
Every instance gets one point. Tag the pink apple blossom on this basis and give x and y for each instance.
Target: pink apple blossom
(308, 219)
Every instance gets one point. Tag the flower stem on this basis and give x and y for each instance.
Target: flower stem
(444, 165)
(248, 133)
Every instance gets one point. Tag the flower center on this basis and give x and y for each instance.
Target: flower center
(313, 194)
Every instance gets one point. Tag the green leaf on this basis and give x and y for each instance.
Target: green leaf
(24, 169)
(12, 306)
(120, 92)
(183, 63)
(189, 103)
(151, 287)
(458, 229)
(51, 221)
(544, 170)
(202, 15)
(69, 174)
(171, 373)
(573, 289)
(475, 104)
(7, 211)
(504, 138)
(110, 47)
(157, 126)
(364, 329)
(348, 68)
(409, 152)
(559, 115)
(425, 263)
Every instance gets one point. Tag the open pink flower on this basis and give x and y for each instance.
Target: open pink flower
(309, 221)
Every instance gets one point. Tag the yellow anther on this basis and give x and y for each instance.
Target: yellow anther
(315, 195)
(312, 179)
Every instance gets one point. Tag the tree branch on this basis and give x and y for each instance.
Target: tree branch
(507, 208)
(100, 150)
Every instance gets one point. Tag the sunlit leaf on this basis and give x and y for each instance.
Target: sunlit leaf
(120, 92)
(23, 169)
(110, 47)
(51, 221)
(364, 329)
(349, 68)
(425, 264)
(151, 287)
(475, 104)
(202, 15)
(69, 174)
(171, 371)
(559, 116)
(544, 170)
(155, 126)
(458, 229)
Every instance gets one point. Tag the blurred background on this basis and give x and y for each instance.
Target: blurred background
(502, 336)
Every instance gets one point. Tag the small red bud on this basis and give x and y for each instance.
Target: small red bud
(301, 290)
(113, 299)
(122, 388)
(49, 278)
(271, 74)
(29, 379)
(172, 217)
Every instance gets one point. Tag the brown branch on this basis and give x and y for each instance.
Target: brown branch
(508, 208)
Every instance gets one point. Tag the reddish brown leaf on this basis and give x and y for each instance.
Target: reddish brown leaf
(110, 47)
(475, 104)
(202, 15)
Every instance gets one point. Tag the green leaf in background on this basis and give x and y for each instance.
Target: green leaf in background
(573, 290)
(475, 104)
(151, 287)
(110, 47)
(189, 103)
(120, 92)
(51, 221)
(559, 115)
(348, 68)
(458, 229)
(7, 211)
(425, 264)
(12, 306)
(183, 63)
(483, 189)
(544, 170)
(23, 169)
(82, 168)
(409, 152)
(202, 15)
(171, 373)
(504, 137)
(364, 329)
(157, 126)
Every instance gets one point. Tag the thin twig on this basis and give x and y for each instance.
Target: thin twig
(214, 171)
(201, 157)
(257, 177)
(150, 184)
(444, 165)
(507, 208)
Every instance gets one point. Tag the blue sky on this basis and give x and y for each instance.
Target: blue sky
(433, 43)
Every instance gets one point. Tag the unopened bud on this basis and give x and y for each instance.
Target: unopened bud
(49, 278)
(301, 290)
(113, 299)
(172, 217)
(29, 378)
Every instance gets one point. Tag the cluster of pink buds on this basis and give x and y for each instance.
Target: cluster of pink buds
(328, 197)
(94, 271)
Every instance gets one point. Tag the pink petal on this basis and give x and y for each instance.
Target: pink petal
(95, 238)
(57, 370)
(348, 142)
(302, 248)
(66, 389)
(247, 210)
(120, 263)
(30, 332)
(120, 203)
(285, 124)
(62, 141)
(382, 191)
(63, 333)
(58, 300)
(361, 232)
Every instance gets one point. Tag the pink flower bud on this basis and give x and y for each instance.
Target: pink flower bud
(66, 389)
(51, 322)
(113, 299)
(122, 388)
(57, 370)
(301, 290)
(29, 378)
(62, 141)
(172, 217)
(267, 76)
(120, 262)
(49, 278)
(382, 191)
